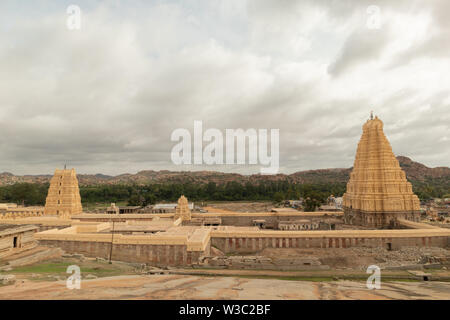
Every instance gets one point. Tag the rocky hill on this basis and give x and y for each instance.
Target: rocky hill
(415, 172)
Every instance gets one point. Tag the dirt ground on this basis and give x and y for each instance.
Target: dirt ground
(201, 287)
(359, 258)
(101, 280)
(236, 206)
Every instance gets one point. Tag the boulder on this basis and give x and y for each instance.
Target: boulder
(7, 279)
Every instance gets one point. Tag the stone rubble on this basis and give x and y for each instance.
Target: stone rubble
(7, 279)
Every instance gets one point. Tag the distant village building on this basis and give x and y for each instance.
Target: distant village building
(129, 209)
(438, 208)
(333, 204)
(296, 204)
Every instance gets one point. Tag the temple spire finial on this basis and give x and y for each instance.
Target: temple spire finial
(371, 115)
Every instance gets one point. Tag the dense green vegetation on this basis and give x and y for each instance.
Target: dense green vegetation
(233, 191)
(34, 194)
(315, 194)
(432, 188)
(24, 193)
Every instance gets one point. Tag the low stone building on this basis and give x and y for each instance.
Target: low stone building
(302, 224)
(169, 207)
(113, 209)
(129, 209)
(6, 206)
(15, 212)
(14, 239)
(207, 221)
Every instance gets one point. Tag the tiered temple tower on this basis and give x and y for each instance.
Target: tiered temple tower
(182, 210)
(378, 193)
(63, 197)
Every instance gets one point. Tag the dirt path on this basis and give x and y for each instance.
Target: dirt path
(203, 287)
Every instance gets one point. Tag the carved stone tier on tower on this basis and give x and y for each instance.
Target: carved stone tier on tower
(63, 197)
(182, 210)
(378, 192)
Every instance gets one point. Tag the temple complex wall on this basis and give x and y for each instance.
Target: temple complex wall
(227, 219)
(177, 248)
(184, 247)
(17, 212)
(157, 255)
(120, 217)
(254, 244)
(379, 219)
(42, 222)
(179, 255)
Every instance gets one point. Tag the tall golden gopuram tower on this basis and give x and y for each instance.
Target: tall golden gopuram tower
(378, 193)
(182, 210)
(63, 199)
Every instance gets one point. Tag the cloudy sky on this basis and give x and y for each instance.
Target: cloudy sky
(106, 98)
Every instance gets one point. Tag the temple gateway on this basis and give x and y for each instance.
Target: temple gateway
(63, 197)
(378, 193)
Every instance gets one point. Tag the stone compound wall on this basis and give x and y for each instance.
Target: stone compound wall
(255, 244)
(120, 217)
(157, 255)
(179, 255)
(186, 246)
(378, 219)
(272, 219)
(265, 263)
(238, 220)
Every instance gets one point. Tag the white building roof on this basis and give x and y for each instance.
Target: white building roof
(171, 206)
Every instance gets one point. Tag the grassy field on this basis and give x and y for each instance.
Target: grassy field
(317, 275)
(55, 269)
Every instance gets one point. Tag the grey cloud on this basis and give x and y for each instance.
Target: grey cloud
(107, 98)
(361, 47)
(437, 44)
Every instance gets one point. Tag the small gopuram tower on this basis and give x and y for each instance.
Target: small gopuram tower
(63, 199)
(182, 210)
(378, 192)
